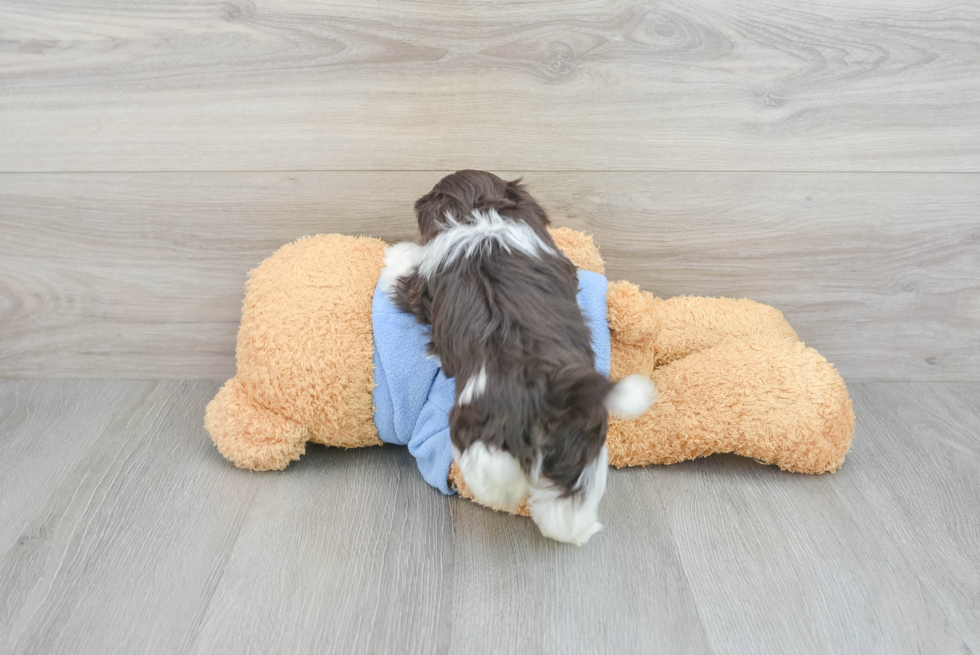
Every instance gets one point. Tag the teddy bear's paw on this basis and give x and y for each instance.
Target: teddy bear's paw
(250, 436)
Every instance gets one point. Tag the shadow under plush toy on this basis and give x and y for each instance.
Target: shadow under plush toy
(323, 357)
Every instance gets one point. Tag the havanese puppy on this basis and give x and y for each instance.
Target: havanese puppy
(531, 412)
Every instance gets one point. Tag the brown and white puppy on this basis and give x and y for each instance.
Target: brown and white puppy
(531, 412)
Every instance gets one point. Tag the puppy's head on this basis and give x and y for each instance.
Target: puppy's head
(464, 192)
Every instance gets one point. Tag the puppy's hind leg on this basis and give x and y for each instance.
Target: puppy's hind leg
(571, 518)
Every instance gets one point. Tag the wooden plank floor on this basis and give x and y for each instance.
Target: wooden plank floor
(122, 530)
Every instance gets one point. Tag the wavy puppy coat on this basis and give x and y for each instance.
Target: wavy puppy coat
(531, 412)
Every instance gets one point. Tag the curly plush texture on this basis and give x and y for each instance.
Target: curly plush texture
(305, 355)
(731, 375)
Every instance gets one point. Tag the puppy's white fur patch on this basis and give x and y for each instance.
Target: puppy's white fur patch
(631, 396)
(494, 476)
(466, 239)
(573, 519)
(400, 260)
(474, 387)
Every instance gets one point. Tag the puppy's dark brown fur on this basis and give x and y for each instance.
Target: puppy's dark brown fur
(516, 315)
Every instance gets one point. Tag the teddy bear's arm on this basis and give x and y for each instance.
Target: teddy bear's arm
(690, 324)
(579, 248)
(731, 376)
(634, 325)
(249, 435)
(773, 400)
(649, 332)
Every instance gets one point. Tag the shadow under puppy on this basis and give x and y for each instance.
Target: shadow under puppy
(531, 412)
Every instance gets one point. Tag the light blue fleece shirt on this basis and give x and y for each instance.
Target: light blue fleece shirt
(413, 397)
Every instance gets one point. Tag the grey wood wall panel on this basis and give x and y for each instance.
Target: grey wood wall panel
(554, 85)
(141, 275)
(139, 537)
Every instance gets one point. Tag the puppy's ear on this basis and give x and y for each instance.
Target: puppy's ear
(578, 390)
(430, 210)
(631, 396)
(523, 206)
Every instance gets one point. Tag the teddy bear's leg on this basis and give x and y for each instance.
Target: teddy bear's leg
(690, 324)
(773, 400)
(250, 436)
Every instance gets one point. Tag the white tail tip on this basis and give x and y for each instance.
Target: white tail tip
(631, 396)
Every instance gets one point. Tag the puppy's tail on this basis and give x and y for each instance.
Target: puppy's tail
(631, 396)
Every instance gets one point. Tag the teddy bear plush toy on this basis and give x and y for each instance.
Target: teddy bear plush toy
(317, 363)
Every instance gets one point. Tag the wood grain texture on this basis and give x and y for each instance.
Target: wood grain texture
(820, 156)
(30, 413)
(143, 521)
(350, 552)
(142, 275)
(880, 557)
(933, 439)
(626, 591)
(553, 85)
(140, 538)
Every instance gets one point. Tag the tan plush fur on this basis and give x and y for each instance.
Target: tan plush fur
(731, 375)
(305, 349)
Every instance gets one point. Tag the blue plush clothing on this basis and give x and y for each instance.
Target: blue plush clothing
(413, 397)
